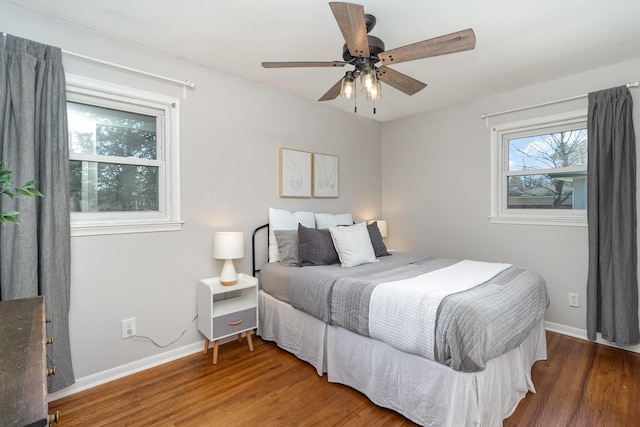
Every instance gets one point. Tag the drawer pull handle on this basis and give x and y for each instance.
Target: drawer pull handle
(49, 341)
(237, 322)
(47, 320)
(51, 372)
(54, 418)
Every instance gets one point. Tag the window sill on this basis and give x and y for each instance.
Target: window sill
(98, 229)
(529, 220)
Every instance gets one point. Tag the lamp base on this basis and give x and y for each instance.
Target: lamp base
(228, 274)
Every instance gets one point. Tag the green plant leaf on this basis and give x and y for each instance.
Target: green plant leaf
(27, 189)
(9, 216)
(9, 193)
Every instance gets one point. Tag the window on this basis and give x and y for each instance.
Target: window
(123, 152)
(540, 170)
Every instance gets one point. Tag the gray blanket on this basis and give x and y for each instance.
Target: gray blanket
(472, 327)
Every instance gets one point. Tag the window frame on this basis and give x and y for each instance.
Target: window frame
(500, 170)
(166, 109)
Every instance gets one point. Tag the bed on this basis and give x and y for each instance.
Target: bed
(461, 358)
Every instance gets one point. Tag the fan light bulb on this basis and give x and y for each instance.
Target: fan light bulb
(348, 87)
(368, 81)
(375, 93)
(347, 91)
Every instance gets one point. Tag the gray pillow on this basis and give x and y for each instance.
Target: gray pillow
(379, 247)
(288, 247)
(316, 247)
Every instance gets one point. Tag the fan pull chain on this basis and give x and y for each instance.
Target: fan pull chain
(355, 103)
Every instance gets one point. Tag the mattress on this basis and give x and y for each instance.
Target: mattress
(275, 280)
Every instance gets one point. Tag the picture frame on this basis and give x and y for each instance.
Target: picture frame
(295, 173)
(326, 175)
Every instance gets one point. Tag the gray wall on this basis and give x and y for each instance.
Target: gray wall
(436, 188)
(231, 130)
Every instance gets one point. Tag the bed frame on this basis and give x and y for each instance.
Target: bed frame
(253, 247)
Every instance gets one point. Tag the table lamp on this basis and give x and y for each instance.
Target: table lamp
(228, 245)
(382, 226)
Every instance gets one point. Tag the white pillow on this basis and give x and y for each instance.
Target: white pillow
(281, 219)
(325, 220)
(353, 245)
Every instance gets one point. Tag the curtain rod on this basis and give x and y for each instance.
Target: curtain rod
(184, 83)
(486, 116)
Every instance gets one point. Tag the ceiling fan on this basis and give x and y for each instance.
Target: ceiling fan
(364, 51)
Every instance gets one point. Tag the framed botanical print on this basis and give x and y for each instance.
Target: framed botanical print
(295, 173)
(325, 175)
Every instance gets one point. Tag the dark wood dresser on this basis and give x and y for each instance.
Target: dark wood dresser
(23, 369)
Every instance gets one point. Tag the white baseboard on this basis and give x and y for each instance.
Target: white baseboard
(582, 334)
(103, 377)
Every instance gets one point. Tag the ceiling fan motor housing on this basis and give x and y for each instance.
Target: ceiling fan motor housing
(376, 46)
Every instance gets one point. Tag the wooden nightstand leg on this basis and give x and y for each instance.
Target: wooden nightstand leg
(240, 337)
(215, 352)
(249, 341)
(206, 345)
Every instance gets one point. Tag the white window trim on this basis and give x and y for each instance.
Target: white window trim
(499, 213)
(169, 219)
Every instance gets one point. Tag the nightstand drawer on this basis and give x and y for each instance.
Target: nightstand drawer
(234, 322)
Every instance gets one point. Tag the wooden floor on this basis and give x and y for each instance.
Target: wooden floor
(581, 384)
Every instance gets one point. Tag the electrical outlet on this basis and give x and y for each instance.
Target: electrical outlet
(574, 300)
(128, 328)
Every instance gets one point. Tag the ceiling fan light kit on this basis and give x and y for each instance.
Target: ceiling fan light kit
(348, 86)
(364, 51)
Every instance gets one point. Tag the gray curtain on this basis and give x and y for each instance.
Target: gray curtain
(612, 285)
(35, 255)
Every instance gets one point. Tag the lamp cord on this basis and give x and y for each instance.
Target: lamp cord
(167, 345)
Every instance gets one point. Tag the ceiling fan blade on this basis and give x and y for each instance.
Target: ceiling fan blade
(400, 81)
(304, 64)
(443, 45)
(333, 92)
(350, 18)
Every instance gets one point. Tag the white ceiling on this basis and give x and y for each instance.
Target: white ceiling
(518, 43)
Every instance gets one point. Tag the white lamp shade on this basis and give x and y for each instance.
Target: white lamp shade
(228, 245)
(382, 226)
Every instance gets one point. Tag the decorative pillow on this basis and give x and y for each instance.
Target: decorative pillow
(288, 247)
(353, 245)
(281, 219)
(325, 220)
(316, 247)
(379, 248)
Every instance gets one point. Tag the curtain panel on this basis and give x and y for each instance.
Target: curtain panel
(612, 285)
(35, 255)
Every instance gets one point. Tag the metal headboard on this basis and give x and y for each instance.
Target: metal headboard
(253, 246)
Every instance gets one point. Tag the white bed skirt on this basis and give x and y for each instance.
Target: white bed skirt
(424, 391)
(293, 330)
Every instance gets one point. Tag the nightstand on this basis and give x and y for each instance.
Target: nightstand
(224, 311)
